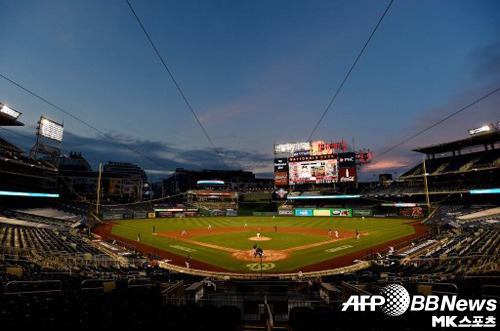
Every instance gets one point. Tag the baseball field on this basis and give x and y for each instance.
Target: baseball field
(288, 243)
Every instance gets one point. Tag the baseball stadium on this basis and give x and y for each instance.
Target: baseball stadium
(122, 216)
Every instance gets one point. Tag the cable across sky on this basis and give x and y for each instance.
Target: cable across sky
(350, 70)
(36, 95)
(181, 92)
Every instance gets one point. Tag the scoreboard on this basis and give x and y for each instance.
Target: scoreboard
(316, 162)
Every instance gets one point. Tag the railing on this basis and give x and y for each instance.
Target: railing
(95, 284)
(252, 308)
(439, 288)
(351, 289)
(139, 283)
(490, 291)
(268, 314)
(33, 287)
(171, 293)
(293, 276)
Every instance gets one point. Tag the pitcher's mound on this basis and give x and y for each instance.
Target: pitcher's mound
(259, 239)
(269, 255)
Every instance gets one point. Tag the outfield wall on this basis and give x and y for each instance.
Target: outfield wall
(332, 212)
(353, 212)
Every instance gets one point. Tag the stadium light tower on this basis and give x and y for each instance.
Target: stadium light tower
(4, 109)
(49, 137)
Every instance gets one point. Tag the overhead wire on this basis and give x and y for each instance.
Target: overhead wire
(62, 150)
(351, 69)
(36, 95)
(439, 122)
(174, 80)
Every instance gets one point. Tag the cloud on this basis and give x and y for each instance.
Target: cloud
(158, 172)
(386, 164)
(166, 157)
(223, 113)
(273, 87)
(484, 78)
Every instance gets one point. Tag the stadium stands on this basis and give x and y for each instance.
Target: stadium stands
(55, 273)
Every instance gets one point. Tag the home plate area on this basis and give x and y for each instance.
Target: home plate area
(261, 238)
(269, 255)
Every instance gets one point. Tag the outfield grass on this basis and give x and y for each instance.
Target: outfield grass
(378, 232)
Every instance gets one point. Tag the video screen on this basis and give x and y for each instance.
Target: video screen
(322, 171)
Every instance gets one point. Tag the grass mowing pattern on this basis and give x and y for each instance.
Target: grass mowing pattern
(379, 231)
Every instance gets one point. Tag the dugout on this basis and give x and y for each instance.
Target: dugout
(194, 292)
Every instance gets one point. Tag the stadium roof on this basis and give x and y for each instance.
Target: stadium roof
(480, 139)
(6, 120)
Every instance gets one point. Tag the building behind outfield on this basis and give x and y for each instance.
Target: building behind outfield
(183, 180)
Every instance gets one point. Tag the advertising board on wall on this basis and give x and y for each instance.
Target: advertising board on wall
(401, 204)
(342, 212)
(285, 212)
(140, 215)
(108, 216)
(347, 175)
(303, 212)
(322, 212)
(347, 160)
(337, 212)
(281, 164)
(415, 212)
(231, 213)
(164, 214)
(321, 148)
(281, 178)
(362, 212)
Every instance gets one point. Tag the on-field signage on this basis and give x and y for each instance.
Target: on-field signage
(303, 212)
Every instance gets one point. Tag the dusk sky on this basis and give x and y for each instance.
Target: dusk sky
(256, 73)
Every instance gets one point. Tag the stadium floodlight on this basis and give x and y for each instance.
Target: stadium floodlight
(50, 129)
(484, 128)
(4, 109)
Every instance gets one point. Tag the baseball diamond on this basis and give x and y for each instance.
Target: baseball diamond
(297, 245)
